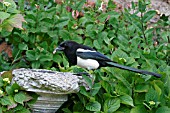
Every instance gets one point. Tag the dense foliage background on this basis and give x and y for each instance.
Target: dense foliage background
(35, 28)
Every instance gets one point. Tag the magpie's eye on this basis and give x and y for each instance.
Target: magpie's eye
(65, 45)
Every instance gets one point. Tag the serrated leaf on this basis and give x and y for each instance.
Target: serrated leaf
(20, 97)
(93, 106)
(111, 105)
(126, 99)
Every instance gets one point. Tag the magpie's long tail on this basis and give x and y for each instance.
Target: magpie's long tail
(133, 69)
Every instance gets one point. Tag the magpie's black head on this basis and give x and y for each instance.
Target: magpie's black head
(69, 48)
(66, 46)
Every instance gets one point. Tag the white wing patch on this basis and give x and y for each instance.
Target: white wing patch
(84, 50)
(87, 63)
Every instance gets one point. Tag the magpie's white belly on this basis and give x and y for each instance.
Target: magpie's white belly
(87, 63)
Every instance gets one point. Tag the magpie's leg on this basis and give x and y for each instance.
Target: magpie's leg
(93, 76)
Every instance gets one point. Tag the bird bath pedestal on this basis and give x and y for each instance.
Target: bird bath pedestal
(52, 87)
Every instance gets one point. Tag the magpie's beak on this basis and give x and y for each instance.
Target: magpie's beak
(59, 48)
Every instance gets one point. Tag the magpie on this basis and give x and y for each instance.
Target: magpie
(87, 57)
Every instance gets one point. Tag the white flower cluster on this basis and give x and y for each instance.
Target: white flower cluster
(6, 80)
(6, 3)
(1, 92)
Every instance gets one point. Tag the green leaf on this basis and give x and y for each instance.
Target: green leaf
(88, 41)
(126, 99)
(142, 6)
(62, 22)
(9, 90)
(102, 17)
(163, 109)
(19, 107)
(0, 110)
(35, 64)
(141, 88)
(20, 97)
(57, 58)
(21, 4)
(47, 57)
(4, 16)
(96, 87)
(165, 35)
(151, 95)
(1, 82)
(111, 105)
(16, 21)
(5, 100)
(124, 81)
(96, 44)
(138, 109)
(106, 86)
(93, 106)
(148, 15)
(80, 5)
(78, 106)
(158, 89)
(30, 54)
(23, 46)
(64, 34)
(23, 110)
(88, 80)
(84, 92)
(66, 110)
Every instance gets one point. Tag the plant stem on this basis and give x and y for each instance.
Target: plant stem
(143, 29)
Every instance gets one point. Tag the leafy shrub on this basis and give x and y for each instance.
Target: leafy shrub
(12, 98)
(125, 37)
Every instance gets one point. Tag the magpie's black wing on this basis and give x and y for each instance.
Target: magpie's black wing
(105, 61)
(91, 54)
